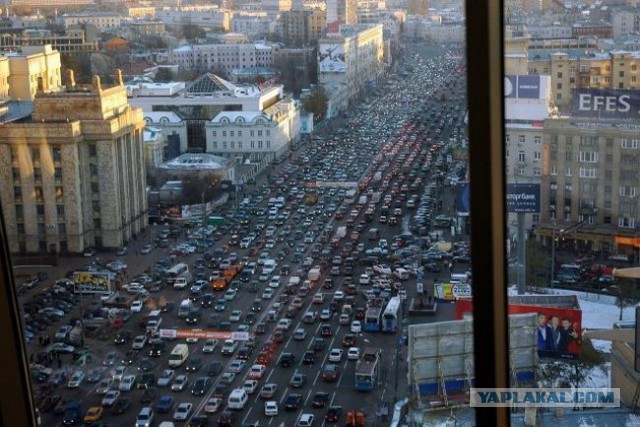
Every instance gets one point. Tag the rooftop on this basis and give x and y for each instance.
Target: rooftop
(196, 161)
(157, 116)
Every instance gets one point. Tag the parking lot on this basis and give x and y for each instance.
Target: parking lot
(344, 225)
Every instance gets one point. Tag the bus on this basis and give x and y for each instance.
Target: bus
(390, 315)
(179, 270)
(372, 319)
(367, 369)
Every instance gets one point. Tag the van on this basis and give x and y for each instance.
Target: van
(180, 283)
(153, 322)
(269, 266)
(178, 355)
(237, 399)
(186, 307)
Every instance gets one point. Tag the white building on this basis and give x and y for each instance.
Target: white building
(255, 135)
(154, 145)
(224, 57)
(348, 62)
(253, 26)
(172, 125)
(210, 17)
(624, 22)
(102, 20)
(554, 31)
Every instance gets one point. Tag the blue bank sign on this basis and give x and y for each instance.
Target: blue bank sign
(523, 198)
(523, 87)
(606, 103)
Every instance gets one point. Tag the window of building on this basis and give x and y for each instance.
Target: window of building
(559, 86)
(251, 133)
(35, 154)
(621, 73)
(553, 170)
(224, 133)
(568, 156)
(95, 188)
(536, 171)
(232, 145)
(537, 155)
(537, 139)
(37, 175)
(60, 210)
(93, 151)
(627, 191)
(559, 75)
(259, 133)
(19, 212)
(268, 132)
(629, 143)
(588, 173)
(240, 133)
(626, 222)
(56, 154)
(588, 157)
(521, 156)
(38, 194)
(224, 145)
(97, 223)
(93, 169)
(231, 133)
(40, 209)
(253, 144)
(567, 171)
(260, 144)
(59, 195)
(521, 138)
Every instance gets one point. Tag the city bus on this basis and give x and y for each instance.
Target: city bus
(372, 319)
(391, 315)
(367, 369)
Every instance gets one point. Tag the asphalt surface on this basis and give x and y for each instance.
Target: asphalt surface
(386, 116)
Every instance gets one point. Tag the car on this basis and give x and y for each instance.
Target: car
(320, 399)
(349, 340)
(130, 357)
(287, 360)
(127, 383)
(76, 379)
(318, 299)
(139, 342)
(235, 316)
(165, 404)
(146, 249)
(333, 414)
(209, 346)
(193, 364)
(299, 334)
(179, 383)
(335, 355)
(298, 380)
(230, 294)
(63, 332)
(120, 406)
(110, 398)
(309, 358)
(165, 378)
(145, 417)
(268, 390)
(268, 293)
(136, 306)
(213, 405)
(93, 414)
(122, 337)
(90, 252)
(250, 386)
(271, 408)
(104, 386)
(201, 386)
(221, 305)
(330, 372)
(227, 378)
(257, 371)
(305, 420)
(118, 373)
(318, 344)
(344, 319)
(326, 314)
(293, 401)
(227, 419)
(183, 411)
(353, 353)
(309, 317)
(356, 327)
(215, 368)
(236, 366)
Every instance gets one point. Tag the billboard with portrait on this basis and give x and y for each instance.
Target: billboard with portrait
(559, 321)
(331, 58)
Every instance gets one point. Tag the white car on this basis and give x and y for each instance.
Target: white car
(382, 269)
(166, 377)
(267, 294)
(305, 420)
(63, 332)
(274, 282)
(76, 379)
(356, 327)
(230, 294)
(139, 342)
(335, 355)
(353, 353)
(235, 316)
(183, 411)
(256, 372)
(209, 346)
(213, 405)
(364, 279)
(118, 373)
(250, 386)
(180, 383)
(338, 296)
(146, 249)
(104, 386)
(271, 408)
(110, 398)
(325, 314)
(283, 324)
(127, 383)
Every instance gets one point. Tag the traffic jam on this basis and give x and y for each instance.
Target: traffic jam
(285, 307)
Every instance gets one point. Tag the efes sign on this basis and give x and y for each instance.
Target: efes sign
(606, 103)
(523, 87)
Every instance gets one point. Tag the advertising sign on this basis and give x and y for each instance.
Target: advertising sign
(524, 87)
(523, 198)
(606, 103)
(559, 331)
(91, 282)
(451, 291)
(202, 334)
(331, 58)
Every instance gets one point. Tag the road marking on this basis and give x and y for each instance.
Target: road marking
(284, 395)
(247, 416)
(306, 401)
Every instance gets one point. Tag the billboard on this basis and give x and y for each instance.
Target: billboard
(451, 291)
(331, 58)
(559, 331)
(606, 103)
(523, 198)
(92, 282)
(523, 87)
(202, 334)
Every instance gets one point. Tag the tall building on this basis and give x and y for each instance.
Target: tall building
(224, 58)
(299, 28)
(72, 174)
(341, 12)
(276, 5)
(26, 67)
(348, 62)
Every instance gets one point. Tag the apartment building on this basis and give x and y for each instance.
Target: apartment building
(254, 25)
(101, 20)
(72, 42)
(299, 28)
(617, 69)
(72, 175)
(341, 12)
(210, 17)
(21, 71)
(348, 62)
(224, 57)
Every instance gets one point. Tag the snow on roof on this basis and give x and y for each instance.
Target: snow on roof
(234, 116)
(185, 48)
(196, 161)
(157, 116)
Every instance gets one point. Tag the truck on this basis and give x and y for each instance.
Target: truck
(314, 274)
(294, 281)
(350, 195)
